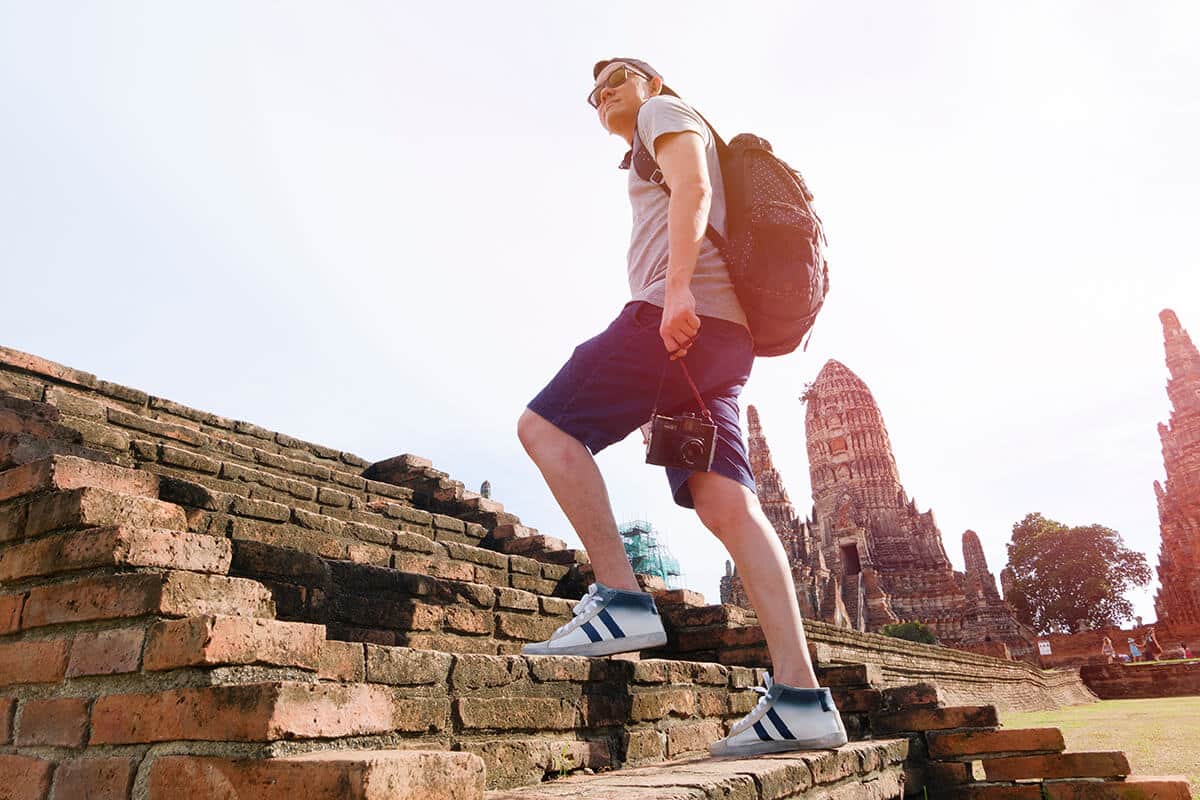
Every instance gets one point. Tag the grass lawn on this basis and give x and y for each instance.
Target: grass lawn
(1160, 736)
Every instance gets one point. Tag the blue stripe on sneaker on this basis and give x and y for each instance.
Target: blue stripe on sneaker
(778, 722)
(611, 624)
(591, 632)
(762, 732)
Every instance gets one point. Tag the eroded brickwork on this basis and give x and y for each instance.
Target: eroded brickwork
(1178, 600)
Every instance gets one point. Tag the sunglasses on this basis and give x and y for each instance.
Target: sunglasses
(615, 78)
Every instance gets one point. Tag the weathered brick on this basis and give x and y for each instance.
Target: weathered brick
(94, 779)
(261, 509)
(857, 701)
(402, 666)
(97, 434)
(24, 778)
(33, 661)
(106, 652)
(529, 583)
(324, 775)
(471, 672)
(525, 627)
(166, 430)
(318, 522)
(932, 719)
(917, 694)
(692, 737)
(516, 599)
(186, 459)
(418, 543)
(463, 619)
(1134, 788)
(10, 612)
(8, 705)
(332, 497)
(107, 547)
(182, 594)
(850, 675)
(59, 721)
(89, 508)
(644, 745)
(449, 642)
(1058, 765)
(661, 703)
(996, 743)
(211, 640)
(261, 712)
(342, 661)
(575, 669)
(67, 472)
(515, 713)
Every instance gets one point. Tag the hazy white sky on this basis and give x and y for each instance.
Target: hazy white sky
(383, 226)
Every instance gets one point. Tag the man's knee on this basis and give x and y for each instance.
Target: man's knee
(529, 425)
(723, 504)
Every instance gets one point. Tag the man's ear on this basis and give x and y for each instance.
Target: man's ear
(655, 86)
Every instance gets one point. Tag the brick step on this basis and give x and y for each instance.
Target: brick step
(96, 548)
(383, 605)
(404, 550)
(1060, 765)
(69, 472)
(862, 769)
(951, 745)
(30, 516)
(169, 593)
(325, 775)
(1132, 788)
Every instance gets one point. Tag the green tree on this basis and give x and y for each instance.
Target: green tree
(1067, 579)
(912, 631)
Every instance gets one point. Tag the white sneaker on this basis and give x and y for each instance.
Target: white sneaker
(786, 718)
(606, 621)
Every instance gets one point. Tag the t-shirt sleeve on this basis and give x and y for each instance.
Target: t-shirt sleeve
(666, 114)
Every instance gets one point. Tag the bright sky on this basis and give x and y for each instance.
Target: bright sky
(384, 226)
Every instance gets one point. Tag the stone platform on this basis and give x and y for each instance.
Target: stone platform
(196, 606)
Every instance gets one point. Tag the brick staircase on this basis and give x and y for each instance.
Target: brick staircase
(191, 605)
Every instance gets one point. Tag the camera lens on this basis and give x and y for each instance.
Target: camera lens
(691, 451)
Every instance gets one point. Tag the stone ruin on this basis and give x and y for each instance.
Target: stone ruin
(1178, 601)
(866, 557)
(197, 607)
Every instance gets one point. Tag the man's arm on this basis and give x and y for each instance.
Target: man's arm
(682, 160)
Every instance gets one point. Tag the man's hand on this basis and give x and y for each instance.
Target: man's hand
(680, 325)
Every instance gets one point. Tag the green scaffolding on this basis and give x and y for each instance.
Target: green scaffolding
(648, 555)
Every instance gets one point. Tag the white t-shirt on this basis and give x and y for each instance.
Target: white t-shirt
(649, 247)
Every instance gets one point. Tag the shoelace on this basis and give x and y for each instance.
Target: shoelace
(581, 608)
(759, 709)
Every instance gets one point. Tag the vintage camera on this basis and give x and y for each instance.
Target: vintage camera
(685, 441)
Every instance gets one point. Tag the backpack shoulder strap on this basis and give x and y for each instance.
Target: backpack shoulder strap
(648, 170)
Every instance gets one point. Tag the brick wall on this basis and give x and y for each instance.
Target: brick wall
(1121, 681)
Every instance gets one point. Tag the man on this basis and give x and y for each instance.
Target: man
(683, 305)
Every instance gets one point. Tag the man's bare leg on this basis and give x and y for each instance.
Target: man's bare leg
(576, 483)
(732, 512)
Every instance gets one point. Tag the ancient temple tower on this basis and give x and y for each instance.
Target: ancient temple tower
(771, 492)
(856, 485)
(1178, 600)
(817, 591)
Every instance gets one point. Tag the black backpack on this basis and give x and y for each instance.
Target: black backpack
(774, 247)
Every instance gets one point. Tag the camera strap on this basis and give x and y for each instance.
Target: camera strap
(696, 392)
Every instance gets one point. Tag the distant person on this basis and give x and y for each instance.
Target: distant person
(1135, 653)
(1187, 651)
(1153, 648)
(684, 304)
(1107, 650)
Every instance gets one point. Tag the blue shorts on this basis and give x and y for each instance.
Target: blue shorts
(606, 389)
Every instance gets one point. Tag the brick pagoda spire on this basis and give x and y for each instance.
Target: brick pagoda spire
(772, 494)
(1178, 600)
